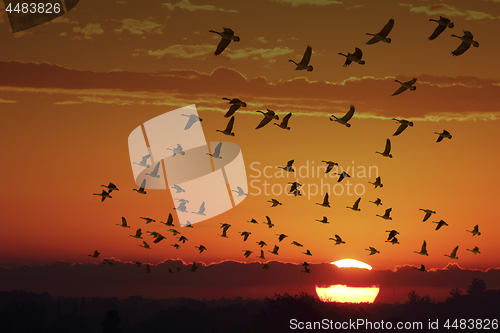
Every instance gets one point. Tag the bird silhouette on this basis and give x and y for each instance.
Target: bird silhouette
(182, 205)
(304, 63)
(274, 202)
(387, 151)
(307, 253)
(145, 245)
(268, 222)
(148, 220)
(235, 105)
(154, 173)
(475, 231)
(201, 211)
(422, 268)
(183, 239)
(95, 255)
(268, 116)
(428, 213)
(124, 223)
(227, 36)
(325, 203)
(216, 153)
(275, 250)
(324, 220)
(423, 250)
(392, 234)
(193, 268)
(356, 205)
(453, 254)
(378, 183)
(403, 124)
(440, 224)
(443, 23)
(330, 165)
(284, 122)
(178, 189)
(337, 240)
(393, 240)
(382, 35)
(344, 120)
(445, 134)
(170, 221)
(111, 187)
(372, 250)
(240, 191)
(138, 234)
(261, 255)
(467, 41)
(229, 127)
(475, 250)
(342, 176)
(143, 162)
(377, 202)
(281, 237)
(356, 57)
(245, 235)
(224, 231)
(201, 248)
(141, 188)
(289, 166)
(191, 121)
(266, 266)
(261, 244)
(387, 214)
(103, 195)
(247, 253)
(177, 150)
(405, 85)
(297, 244)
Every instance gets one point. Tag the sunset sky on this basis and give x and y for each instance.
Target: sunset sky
(73, 89)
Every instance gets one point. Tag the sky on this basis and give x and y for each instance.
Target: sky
(73, 89)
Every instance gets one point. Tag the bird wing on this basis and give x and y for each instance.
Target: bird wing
(400, 129)
(217, 149)
(145, 159)
(468, 35)
(358, 53)
(337, 237)
(329, 168)
(347, 62)
(228, 31)
(372, 41)
(445, 132)
(426, 217)
(229, 127)
(263, 122)
(356, 204)
(444, 20)
(289, 163)
(424, 247)
(461, 49)
(190, 123)
(325, 201)
(387, 28)
(454, 252)
(412, 81)
(387, 147)
(476, 228)
(399, 91)
(157, 166)
(284, 122)
(440, 138)
(232, 110)
(222, 46)
(307, 56)
(143, 184)
(124, 222)
(349, 114)
(439, 29)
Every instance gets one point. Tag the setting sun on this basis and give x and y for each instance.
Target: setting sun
(351, 263)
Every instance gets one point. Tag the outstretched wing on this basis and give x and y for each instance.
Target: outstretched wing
(347, 62)
(426, 217)
(231, 110)
(222, 45)
(387, 28)
(357, 53)
(387, 147)
(325, 201)
(468, 35)
(217, 149)
(461, 49)
(229, 127)
(349, 114)
(399, 91)
(284, 122)
(263, 122)
(372, 41)
(400, 129)
(424, 247)
(412, 81)
(307, 56)
(439, 29)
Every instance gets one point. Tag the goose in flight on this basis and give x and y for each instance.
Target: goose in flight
(265, 266)
(216, 153)
(342, 176)
(392, 234)
(268, 222)
(144, 161)
(224, 231)
(227, 36)
(422, 268)
(297, 192)
(284, 122)
(245, 235)
(443, 23)
(155, 171)
(387, 151)
(344, 120)
(403, 124)
(428, 213)
(423, 250)
(148, 220)
(240, 191)
(382, 35)
(306, 269)
(297, 244)
(170, 221)
(247, 253)
(325, 203)
(193, 268)
(159, 238)
(191, 121)
(95, 255)
(229, 128)
(261, 255)
(372, 250)
(201, 248)
(330, 165)
(356, 205)
(178, 189)
(453, 254)
(223, 225)
(124, 223)
(467, 41)
(111, 187)
(324, 220)
(275, 250)
(268, 116)
(141, 188)
(145, 245)
(445, 134)
(475, 250)
(405, 85)
(281, 237)
(187, 225)
(274, 202)
(475, 231)
(182, 239)
(174, 232)
(261, 243)
(289, 166)
(138, 234)
(307, 253)
(440, 224)
(337, 240)
(106, 261)
(103, 195)
(394, 240)
(201, 211)
(177, 150)
(356, 57)
(304, 63)
(177, 246)
(182, 205)
(387, 214)
(294, 187)
(235, 105)
(377, 202)
(377, 183)
(254, 221)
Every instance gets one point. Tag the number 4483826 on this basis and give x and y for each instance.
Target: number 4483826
(478, 324)
(34, 7)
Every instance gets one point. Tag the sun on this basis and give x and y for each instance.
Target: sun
(351, 263)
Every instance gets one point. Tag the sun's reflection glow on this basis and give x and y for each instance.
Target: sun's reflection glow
(344, 294)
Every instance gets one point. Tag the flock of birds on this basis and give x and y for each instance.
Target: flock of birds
(269, 115)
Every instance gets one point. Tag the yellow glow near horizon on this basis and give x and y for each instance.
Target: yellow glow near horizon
(351, 263)
(344, 294)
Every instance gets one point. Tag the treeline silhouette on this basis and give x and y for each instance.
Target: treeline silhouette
(23, 311)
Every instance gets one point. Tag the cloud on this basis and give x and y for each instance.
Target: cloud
(258, 53)
(185, 4)
(6, 101)
(262, 40)
(67, 103)
(138, 28)
(296, 3)
(183, 51)
(448, 10)
(89, 30)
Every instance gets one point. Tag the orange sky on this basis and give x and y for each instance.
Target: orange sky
(71, 91)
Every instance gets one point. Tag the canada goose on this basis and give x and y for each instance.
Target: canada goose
(423, 250)
(387, 151)
(275, 250)
(254, 221)
(305, 264)
(337, 240)
(445, 134)
(475, 250)
(201, 211)
(138, 234)
(240, 191)
(227, 36)
(229, 128)
(141, 189)
(274, 202)
(245, 235)
(377, 202)
(355, 206)
(247, 253)
(111, 187)
(261, 243)
(159, 238)
(288, 167)
(124, 223)
(216, 153)
(440, 224)
(392, 234)
(182, 239)
(174, 232)
(297, 192)
(294, 187)
(422, 268)
(191, 121)
(266, 266)
(297, 244)
(405, 85)
(223, 225)
(145, 245)
(403, 124)
(148, 220)
(306, 270)
(356, 57)
(428, 213)
(153, 233)
(177, 150)
(394, 240)
(187, 225)
(386, 215)
(177, 246)
(182, 205)
(235, 105)
(95, 255)
(324, 220)
(453, 254)
(269, 223)
(325, 203)
(143, 162)
(268, 116)
(155, 171)
(372, 250)
(284, 122)
(342, 176)
(307, 253)
(193, 268)
(178, 189)
(261, 255)
(330, 165)
(304, 63)
(281, 237)
(475, 231)
(103, 195)
(106, 261)
(201, 248)
(378, 182)
(170, 221)
(344, 120)
(443, 23)
(224, 231)
(467, 41)
(382, 35)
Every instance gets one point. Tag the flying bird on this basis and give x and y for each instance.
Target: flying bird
(289, 166)
(445, 134)
(378, 182)
(229, 128)
(356, 205)
(297, 244)
(247, 253)
(453, 254)
(394, 240)
(95, 255)
(284, 122)
(170, 221)
(356, 57)
(191, 121)
(344, 120)
(268, 222)
(405, 85)
(178, 189)
(201, 248)
(216, 153)
(307, 253)
(377, 202)
(145, 245)
(274, 202)
(261, 244)
(475, 250)
(261, 255)
(387, 214)
(443, 23)
(403, 124)
(240, 191)
(422, 268)
(177, 246)
(382, 35)
(392, 234)
(154, 173)
(428, 213)
(103, 195)
(111, 187)
(124, 223)
(372, 250)
(174, 232)
(224, 231)
(324, 220)
(337, 240)
(245, 235)
(294, 187)
(148, 220)
(138, 234)
(143, 162)
(227, 36)
(342, 176)
(201, 211)
(330, 165)
(281, 237)
(325, 203)
(235, 105)
(467, 41)
(268, 116)
(266, 266)
(423, 250)
(475, 231)
(304, 63)
(193, 268)
(440, 224)
(182, 205)
(275, 250)
(141, 189)
(254, 221)
(182, 239)
(177, 150)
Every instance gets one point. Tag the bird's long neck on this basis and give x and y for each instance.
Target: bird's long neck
(342, 54)
(370, 34)
(293, 61)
